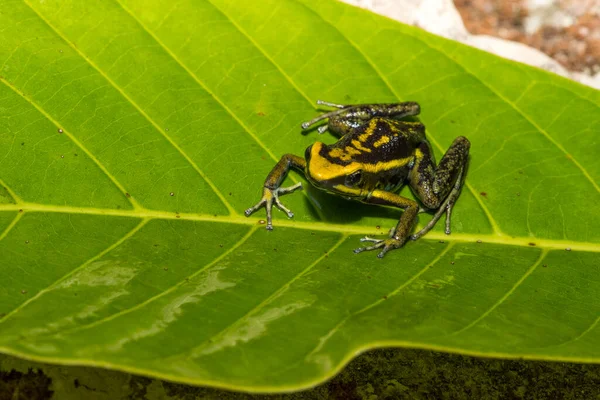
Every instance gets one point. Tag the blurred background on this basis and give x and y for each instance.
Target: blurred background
(562, 36)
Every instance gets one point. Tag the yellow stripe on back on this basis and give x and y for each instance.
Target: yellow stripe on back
(382, 141)
(321, 169)
(359, 146)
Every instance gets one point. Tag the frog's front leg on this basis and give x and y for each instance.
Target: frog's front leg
(272, 191)
(439, 187)
(350, 116)
(401, 232)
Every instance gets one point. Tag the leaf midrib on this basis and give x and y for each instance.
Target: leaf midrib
(139, 109)
(351, 229)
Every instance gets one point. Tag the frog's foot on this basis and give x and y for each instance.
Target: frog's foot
(387, 244)
(329, 104)
(271, 197)
(321, 129)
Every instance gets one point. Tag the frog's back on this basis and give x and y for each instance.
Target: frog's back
(380, 140)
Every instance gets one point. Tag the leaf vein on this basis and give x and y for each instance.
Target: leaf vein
(196, 351)
(516, 108)
(205, 88)
(77, 269)
(139, 109)
(75, 141)
(11, 225)
(394, 292)
(527, 273)
(166, 291)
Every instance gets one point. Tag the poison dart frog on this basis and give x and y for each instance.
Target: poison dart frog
(375, 155)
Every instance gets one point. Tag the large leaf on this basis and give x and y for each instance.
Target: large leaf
(133, 134)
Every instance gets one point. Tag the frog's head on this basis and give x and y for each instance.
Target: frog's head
(332, 173)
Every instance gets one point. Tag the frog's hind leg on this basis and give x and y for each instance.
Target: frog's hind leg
(439, 187)
(446, 207)
(348, 117)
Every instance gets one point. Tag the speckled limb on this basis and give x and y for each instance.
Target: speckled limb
(400, 234)
(348, 117)
(439, 187)
(272, 191)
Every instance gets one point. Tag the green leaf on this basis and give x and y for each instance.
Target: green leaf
(134, 133)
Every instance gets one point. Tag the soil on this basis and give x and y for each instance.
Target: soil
(575, 46)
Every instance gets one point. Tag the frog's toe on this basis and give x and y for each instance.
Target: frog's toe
(384, 244)
(283, 208)
(370, 239)
(289, 189)
(382, 253)
(248, 212)
(378, 244)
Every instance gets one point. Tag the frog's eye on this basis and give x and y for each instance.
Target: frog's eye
(354, 178)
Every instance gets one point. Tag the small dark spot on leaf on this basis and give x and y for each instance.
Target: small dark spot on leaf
(220, 245)
(484, 194)
(518, 194)
(385, 297)
(127, 195)
(27, 242)
(521, 172)
(20, 210)
(230, 193)
(544, 265)
(312, 233)
(166, 268)
(531, 244)
(260, 114)
(274, 249)
(177, 216)
(156, 244)
(441, 241)
(76, 154)
(22, 143)
(452, 121)
(378, 227)
(452, 262)
(368, 276)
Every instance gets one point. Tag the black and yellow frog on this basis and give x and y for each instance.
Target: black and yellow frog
(376, 154)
